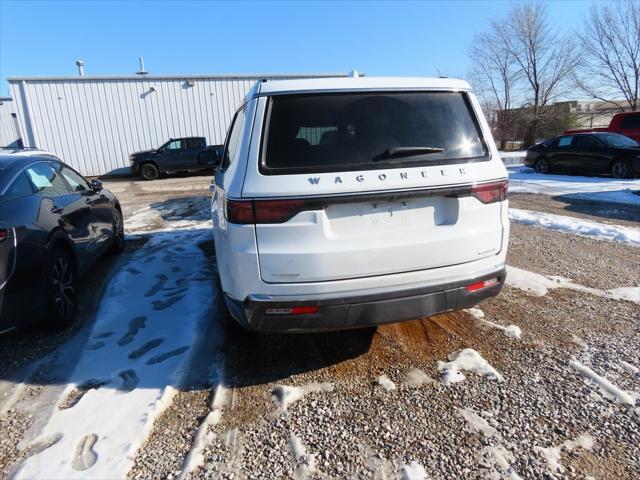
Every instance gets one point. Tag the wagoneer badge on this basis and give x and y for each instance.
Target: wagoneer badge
(383, 176)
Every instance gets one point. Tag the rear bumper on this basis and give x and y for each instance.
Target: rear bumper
(363, 311)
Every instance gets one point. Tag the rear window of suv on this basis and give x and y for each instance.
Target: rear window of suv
(366, 131)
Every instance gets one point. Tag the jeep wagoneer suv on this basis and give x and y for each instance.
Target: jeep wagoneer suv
(348, 202)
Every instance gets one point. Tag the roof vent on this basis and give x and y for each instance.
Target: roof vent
(141, 71)
(80, 65)
(354, 74)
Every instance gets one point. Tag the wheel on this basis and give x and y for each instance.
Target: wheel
(541, 166)
(149, 171)
(118, 232)
(61, 288)
(621, 169)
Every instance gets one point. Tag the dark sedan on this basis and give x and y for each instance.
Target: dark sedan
(594, 153)
(53, 225)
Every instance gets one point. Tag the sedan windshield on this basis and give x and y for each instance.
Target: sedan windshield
(617, 140)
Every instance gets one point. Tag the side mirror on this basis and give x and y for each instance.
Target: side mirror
(208, 158)
(96, 185)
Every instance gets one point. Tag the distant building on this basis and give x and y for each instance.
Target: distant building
(512, 126)
(593, 114)
(94, 123)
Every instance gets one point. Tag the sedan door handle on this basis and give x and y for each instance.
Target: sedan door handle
(55, 209)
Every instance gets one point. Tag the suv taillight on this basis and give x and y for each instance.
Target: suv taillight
(491, 192)
(239, 211)
(262, 211)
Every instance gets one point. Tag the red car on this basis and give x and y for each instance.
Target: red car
(626, 123)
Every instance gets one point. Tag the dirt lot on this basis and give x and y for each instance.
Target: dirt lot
(371, 403)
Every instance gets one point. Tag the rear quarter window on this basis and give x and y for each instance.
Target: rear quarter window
(355, 131)
(20, 187)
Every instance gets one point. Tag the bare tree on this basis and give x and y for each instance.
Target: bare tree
(610, 65)
(494, 77)
(545, 58)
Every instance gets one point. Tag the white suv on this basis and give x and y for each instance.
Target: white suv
(349, 202)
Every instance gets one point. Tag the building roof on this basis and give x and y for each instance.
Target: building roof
(360, 83)
(142, 78)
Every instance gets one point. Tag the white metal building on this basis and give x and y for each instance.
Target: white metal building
(94, 123)
(9, 130)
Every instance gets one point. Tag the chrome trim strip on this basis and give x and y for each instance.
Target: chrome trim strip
(381, 192)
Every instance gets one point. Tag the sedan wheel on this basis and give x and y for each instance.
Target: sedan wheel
(620, 169)
(62, 288)
(541, 166)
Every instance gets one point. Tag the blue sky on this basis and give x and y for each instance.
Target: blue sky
(45, 38)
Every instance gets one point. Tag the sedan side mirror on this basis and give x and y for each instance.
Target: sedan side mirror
(96, 185)
(208, 158)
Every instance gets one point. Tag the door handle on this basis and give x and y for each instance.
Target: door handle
(56, 209)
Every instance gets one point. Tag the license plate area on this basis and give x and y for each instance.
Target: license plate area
(391, 216)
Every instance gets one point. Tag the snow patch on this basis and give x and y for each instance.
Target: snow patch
(525, 180)
(475, 313)
(498, 456)
(538, 284)
(416, 378)
(181, 214)
(284, 395)
(511, 331)
(115, 419)
(493, 457)
(630, 368)
(608, 389)
(305, 462)
(386, 383)
(576, 226)
(534, 283)
(467, 359)
(553, 455)
(631, 294)
(414, 471)
(204, 435)
(476, 423)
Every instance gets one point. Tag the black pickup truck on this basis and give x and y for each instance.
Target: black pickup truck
(189, 154)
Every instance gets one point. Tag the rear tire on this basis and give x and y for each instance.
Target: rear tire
(621, 169)
(118, 232)
(60, 287)
(541, 166)
(148, 171)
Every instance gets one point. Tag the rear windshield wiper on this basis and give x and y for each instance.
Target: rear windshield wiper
(395, 152)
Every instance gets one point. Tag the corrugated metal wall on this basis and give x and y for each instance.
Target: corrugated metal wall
(8, 134)
(95, 123)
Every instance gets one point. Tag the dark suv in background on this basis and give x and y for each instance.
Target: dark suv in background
(189, 154)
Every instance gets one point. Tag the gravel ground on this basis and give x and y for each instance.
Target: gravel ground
(589, 262)
(361, 430)
(348, 423)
